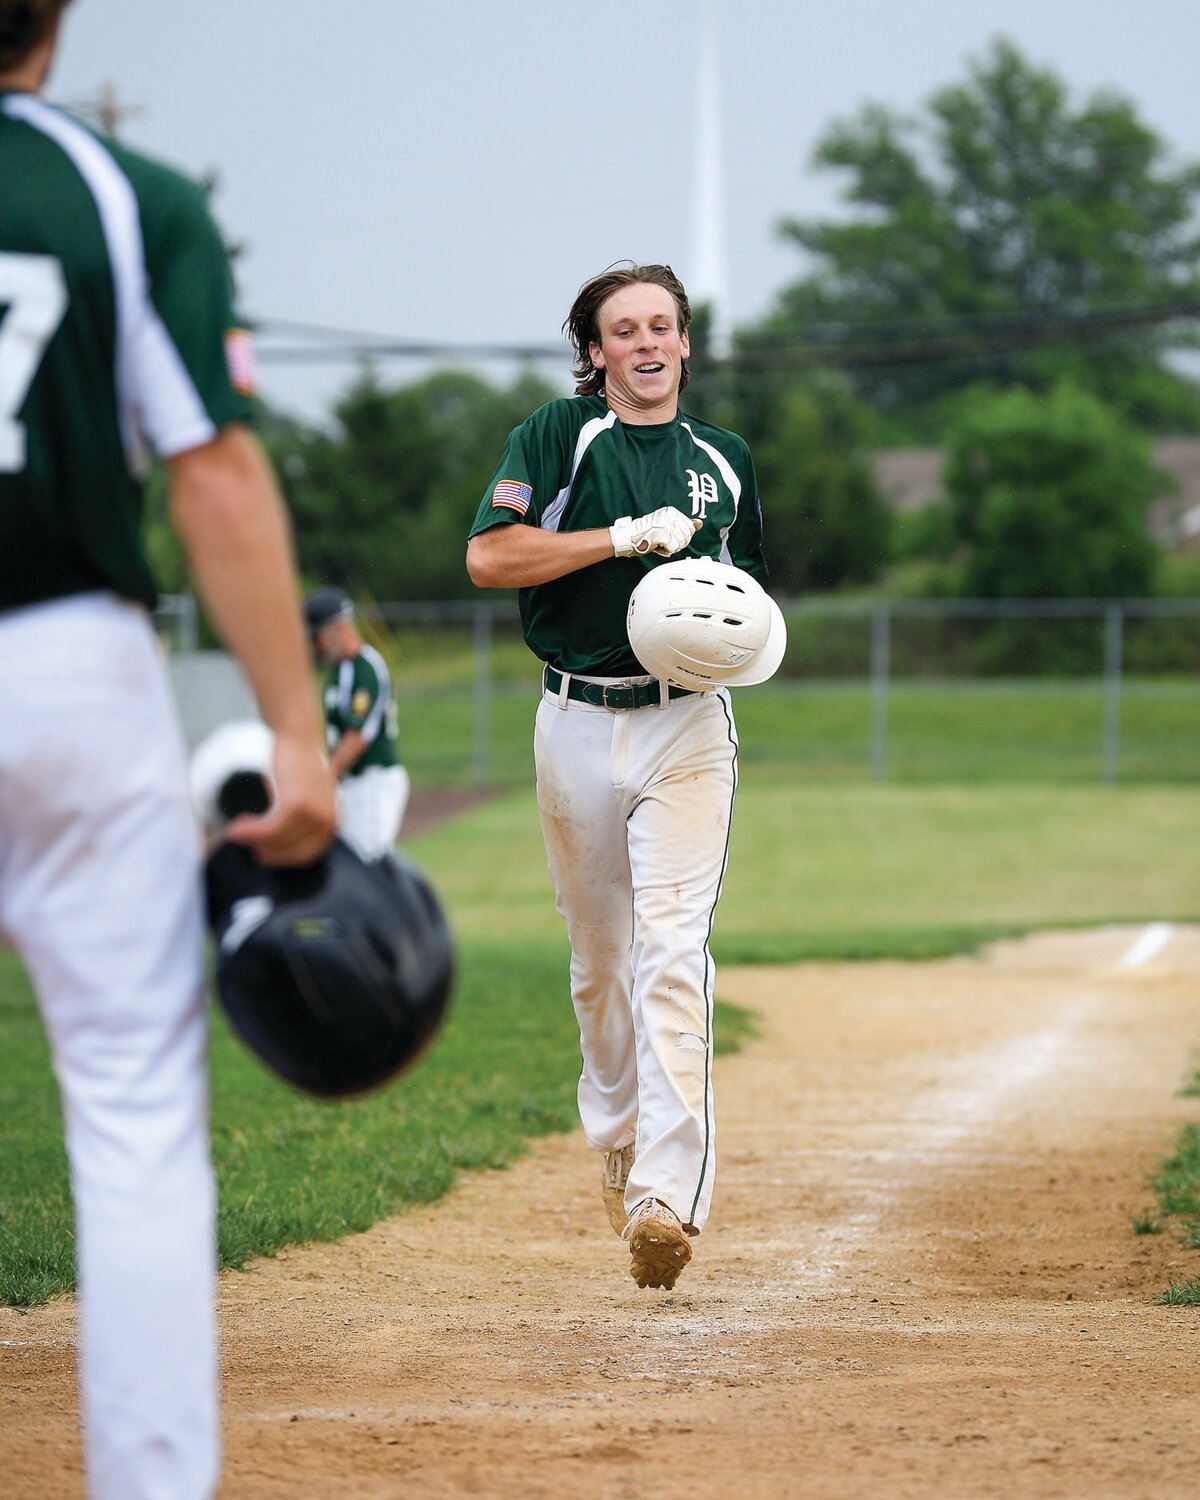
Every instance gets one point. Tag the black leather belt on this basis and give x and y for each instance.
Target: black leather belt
(602, 695)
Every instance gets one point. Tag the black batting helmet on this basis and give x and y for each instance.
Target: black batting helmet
(324, 605)
(336, 974)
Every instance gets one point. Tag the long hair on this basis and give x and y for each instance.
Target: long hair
(24, 25)
(582, 328)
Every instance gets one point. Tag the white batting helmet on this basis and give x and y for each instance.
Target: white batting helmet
(702, 624)
(230, 772)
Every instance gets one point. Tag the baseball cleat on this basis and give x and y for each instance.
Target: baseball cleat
(658, 1246)
(613, 1179)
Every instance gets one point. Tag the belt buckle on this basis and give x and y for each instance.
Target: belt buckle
(604, 703)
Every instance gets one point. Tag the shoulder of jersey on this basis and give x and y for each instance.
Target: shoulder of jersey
(568, 411)
(160, 188)
(727, 441)
(155, 182)
(375, 660)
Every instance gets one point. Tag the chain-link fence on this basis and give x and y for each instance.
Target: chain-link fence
(916, 690)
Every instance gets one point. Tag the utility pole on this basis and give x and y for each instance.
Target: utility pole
(106, 109)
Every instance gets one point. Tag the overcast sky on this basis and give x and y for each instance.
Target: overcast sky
(451, 172)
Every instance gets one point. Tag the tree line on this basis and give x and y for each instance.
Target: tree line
(1010, 280)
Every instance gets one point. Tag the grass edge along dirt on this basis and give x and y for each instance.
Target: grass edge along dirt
(1177, 1186)
(294, 1170)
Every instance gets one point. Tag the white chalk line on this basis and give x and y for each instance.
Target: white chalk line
(944, 1118)
(1149, 943)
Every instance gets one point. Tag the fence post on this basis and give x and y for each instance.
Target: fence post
(482, 698)
(189, 623)
(1110, 742)
(881, 629)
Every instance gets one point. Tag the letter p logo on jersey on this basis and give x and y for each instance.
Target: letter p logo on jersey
(702, 489)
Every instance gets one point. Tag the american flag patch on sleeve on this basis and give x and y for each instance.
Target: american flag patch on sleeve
(513, 494)
(239, 357)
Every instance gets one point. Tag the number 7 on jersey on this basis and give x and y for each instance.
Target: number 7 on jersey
(35, 293)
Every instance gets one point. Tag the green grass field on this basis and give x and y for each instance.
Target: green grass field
(828, 870)
(962, 732)
(858, 871)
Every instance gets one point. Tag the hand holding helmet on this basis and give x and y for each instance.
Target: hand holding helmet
(337, 973)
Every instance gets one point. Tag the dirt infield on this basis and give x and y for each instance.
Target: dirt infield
(430, 807)
(920, 1276)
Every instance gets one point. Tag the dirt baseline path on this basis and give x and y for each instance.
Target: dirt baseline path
(920, 1277)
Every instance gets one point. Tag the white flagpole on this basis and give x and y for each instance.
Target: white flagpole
(708, 281)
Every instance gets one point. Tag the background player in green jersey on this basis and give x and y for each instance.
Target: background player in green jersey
(360, 726)
(635, 781)
(116, 331)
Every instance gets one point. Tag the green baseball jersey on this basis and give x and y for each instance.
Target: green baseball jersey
(358, 695)
(572, 466)
(117, 334)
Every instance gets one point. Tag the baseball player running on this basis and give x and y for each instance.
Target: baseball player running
(360, 727)
(116, 329)
(635, 780)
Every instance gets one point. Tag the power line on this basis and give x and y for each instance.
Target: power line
(852, 345)
(353, 345)
(954, 339)
(840, 330)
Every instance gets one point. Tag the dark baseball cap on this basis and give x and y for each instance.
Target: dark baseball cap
(324, 605)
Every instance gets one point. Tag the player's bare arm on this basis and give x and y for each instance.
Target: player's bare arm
(234, 530)
(516, 557)
(348, 750)
(513, 557)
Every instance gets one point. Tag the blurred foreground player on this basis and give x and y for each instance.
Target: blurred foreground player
(117, 331)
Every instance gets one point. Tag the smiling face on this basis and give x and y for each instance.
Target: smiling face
(641, 352)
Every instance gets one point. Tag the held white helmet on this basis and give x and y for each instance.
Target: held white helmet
(230, 772)
(702, 624)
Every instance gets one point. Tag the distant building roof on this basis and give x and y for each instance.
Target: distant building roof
(911, 477)
(908, 478)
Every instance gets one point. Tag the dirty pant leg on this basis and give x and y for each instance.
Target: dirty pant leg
(678, 846)
(583, 825)
(100, 892)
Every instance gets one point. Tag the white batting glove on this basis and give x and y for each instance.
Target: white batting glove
(665, 530)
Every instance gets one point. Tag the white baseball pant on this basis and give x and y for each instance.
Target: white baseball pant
(635, 809)
(100, 893)
(371, 808)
